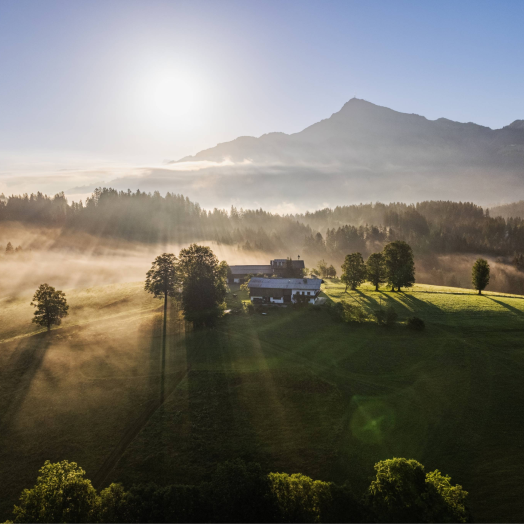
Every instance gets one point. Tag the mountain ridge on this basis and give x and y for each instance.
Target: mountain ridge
(367, 134)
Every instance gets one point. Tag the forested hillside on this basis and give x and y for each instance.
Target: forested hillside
(429, 227)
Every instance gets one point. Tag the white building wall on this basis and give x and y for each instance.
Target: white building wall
(308, 293)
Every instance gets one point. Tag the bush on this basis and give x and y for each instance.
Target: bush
(353, 313)
(249, 308)
(380, 316)
(416, 324)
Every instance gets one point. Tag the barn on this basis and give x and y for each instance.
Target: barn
(275, 267)
(282, 290)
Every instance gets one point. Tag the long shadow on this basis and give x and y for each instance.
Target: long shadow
(514, 310)
(219, 424)
(18, 374)
(163, 381)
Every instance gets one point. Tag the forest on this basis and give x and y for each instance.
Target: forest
(432, 228)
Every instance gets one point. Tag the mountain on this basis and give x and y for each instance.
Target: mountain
(368, 136)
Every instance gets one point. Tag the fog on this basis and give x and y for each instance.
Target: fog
(79, 260)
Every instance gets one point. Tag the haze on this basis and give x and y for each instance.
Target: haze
(95, 93)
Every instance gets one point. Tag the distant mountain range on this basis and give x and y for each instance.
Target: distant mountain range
(363, 153)
(365, 136)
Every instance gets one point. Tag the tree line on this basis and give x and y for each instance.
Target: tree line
(402, 491)
(429, 227)
(394, 265)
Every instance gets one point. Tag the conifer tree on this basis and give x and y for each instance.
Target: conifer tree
(9, 250)
(480, 275)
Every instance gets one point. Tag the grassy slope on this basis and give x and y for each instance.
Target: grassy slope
(292, 389)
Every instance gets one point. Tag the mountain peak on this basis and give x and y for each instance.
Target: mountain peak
(517, 124)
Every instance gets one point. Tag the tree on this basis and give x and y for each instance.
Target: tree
(376, 269)
(162, 279)
(402, 492)
(480, 274)
(51, 306)
(300, 498)
(400, 266)
(204, 284)
(61, 494)
(321, 268)
(331, 271)
(353, 271)
(9, 250)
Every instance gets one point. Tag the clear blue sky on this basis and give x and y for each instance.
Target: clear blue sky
(153, 80)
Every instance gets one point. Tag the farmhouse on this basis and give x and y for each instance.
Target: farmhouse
(275, 267)
(282, 290)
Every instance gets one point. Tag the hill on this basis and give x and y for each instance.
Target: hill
(293, 390)
(365, 134)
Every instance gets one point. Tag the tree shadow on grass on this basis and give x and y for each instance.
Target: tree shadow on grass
(219, 424)
(404, 304)
(18, 373)
(513, 309)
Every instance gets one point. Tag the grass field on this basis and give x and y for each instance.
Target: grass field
(293, 390)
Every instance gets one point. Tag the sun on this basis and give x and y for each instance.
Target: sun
(168, 96)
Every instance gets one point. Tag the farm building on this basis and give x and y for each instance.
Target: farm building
(282, 290)
(275, 267)
(279, 265)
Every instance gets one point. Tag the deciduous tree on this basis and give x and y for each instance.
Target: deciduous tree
(480, 275)
(51, 306)
(400, 265)
(61, 494)
(204, 284)
(353, 271)
(376, 269)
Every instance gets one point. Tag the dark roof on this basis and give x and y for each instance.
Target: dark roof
(285, 283)
(251, 270)
(296, 263)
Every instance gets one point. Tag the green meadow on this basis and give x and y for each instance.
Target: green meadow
(294, 390)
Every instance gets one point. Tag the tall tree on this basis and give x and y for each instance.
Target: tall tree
(9, 250)
(204, 284)
(376, 269)
(51, 306)
(480, 275)
(353, 271)
(162, 279)
(400, 265)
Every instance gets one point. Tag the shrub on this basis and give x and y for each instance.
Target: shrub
(353, 313)
(416, 324)
(380, 316)
(249, 308)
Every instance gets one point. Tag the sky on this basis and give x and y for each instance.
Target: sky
(92, 89)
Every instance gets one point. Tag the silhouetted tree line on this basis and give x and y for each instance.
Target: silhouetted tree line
(151, 217)
(429, 227)
(240, 492)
